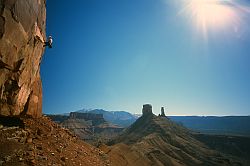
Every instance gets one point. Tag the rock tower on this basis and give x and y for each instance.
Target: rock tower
(162, 111)
(147, 109)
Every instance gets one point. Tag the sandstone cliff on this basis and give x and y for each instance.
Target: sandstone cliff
(22, 33)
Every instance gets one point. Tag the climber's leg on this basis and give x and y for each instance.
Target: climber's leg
(46, 44)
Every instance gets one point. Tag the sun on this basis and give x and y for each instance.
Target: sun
(210, 14)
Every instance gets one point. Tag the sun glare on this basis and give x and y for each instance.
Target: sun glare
(210, 14)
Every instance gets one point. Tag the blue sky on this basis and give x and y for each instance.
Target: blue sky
(120, 54)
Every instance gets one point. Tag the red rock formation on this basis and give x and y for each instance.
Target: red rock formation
(154, 140)
(147, 110)
(22, 33)
(162, 111)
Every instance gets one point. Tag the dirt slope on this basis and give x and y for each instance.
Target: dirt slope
(42, 142)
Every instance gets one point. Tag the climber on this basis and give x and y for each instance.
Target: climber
(49, 42)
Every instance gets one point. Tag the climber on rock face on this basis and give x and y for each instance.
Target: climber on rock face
(48, 42)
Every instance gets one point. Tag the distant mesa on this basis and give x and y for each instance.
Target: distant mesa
(120, 118)
(89, 126)
(95, 118)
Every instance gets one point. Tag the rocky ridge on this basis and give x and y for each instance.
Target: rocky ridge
(42, 142)
(156, 140)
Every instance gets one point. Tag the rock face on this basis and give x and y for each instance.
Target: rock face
(22, 33)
